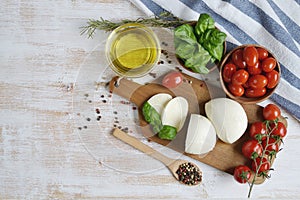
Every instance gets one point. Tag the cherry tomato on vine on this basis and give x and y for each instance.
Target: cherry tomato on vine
(268, 64)
(237, 58)
(271, 112)
(236, 90)
(228, 71)
(258, 131)
(279, 130)
(250, 55)
(172, 79)
(264, 167)
(262, 53)
(240, 77)
(258, 81)
(252, 93)
(242, 173)
(255, 69)
(272, 147)
(273, 78)
(252, 149)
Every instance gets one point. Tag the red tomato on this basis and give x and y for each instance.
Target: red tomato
(228, 71)
(252, 149)
(262, 53)
(268, 64)
(172, 79)
(242, 174)
(279, 130)
(246, 85)
(263, 164)
(272, 147)
(236, 90)
(258, 131)
(258, 81)
(255, 69)
(237, 58)
(273, 78)
(250, 55)
(253, 93)
(271, 112)
(240, 77)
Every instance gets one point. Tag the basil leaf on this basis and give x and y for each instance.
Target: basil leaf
(185, 32)
(167, 132)
(185, 50)
(214, 51)
(152, 117)
(204, 22)
(198, 61)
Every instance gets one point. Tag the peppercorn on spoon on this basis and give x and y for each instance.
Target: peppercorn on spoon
(184, 171)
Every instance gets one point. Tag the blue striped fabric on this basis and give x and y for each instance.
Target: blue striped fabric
(274, 24)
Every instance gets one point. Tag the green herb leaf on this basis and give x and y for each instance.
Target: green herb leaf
(167, 132)
(204, 22)
(198, 61)
(152, 117)
(185, 32)
(185, 50)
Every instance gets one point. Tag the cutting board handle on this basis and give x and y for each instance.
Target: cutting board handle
(123, 87)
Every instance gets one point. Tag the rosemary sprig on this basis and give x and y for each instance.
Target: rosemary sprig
(165, 20)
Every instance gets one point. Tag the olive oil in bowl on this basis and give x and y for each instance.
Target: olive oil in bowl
(132, 50)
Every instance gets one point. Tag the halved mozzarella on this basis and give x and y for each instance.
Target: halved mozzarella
(175, 113)
(159, 101)
(201, 136)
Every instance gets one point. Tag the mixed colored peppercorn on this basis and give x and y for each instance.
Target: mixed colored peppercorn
(189, 174)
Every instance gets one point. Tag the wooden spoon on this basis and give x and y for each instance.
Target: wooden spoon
(172, 164)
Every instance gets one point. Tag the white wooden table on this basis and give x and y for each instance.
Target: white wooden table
(41, 153)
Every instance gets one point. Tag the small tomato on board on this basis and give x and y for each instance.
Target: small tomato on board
(242, 174)
(172, 79)
(258, 131)
(250, 55)
(272, 147)
(271, 112)
(252, 149)
(261, 165)
(279, 130)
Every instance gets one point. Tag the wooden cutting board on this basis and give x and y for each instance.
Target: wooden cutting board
(224, 156)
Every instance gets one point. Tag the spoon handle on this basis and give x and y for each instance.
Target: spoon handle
(141, 146)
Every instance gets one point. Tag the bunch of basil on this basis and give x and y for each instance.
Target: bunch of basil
(198, 45)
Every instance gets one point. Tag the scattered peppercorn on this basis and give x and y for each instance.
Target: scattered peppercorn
(189, 174)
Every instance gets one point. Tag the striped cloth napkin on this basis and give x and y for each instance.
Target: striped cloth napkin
(274, 24)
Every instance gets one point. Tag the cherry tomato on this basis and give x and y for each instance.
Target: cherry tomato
(172, 80)
(242, 174)
(255, 69)
(264, 167)
(228, 71)
(250, 55)
(246, 85)
(253, 93)
(252, 149)
(240, 77)
(236, 90)
(258, 81)
(273, 78)
(237, 58)
(268, 64)
(272, 147)
(279, 131)
(258, 131)
(271, 112)
(262, 53)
